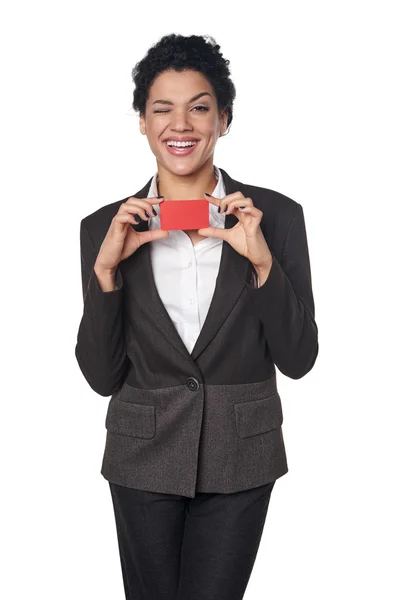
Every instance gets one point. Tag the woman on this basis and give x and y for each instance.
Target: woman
(184, 329)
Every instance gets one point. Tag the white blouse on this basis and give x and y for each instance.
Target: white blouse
(185, 274)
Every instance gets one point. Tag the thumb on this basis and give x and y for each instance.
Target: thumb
(152, 234)
(215, 232)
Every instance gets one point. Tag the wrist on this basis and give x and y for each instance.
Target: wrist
(99, 270)
(105, 279)
(263, 271)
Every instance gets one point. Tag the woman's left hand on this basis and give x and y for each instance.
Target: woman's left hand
(246, 236)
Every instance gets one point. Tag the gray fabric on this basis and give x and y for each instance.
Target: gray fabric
(219, 438)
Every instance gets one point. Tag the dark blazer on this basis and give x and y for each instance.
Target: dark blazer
(209, 420)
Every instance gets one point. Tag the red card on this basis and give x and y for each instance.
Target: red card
(184, 214)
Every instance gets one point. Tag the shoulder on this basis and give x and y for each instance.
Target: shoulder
(273, 202)
(276, 205)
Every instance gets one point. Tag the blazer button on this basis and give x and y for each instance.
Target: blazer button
(192, 383)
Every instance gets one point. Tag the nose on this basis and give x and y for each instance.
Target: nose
(180, 121)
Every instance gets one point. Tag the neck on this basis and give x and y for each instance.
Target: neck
(186, 187)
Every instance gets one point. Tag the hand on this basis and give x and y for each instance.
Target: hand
(121, 240)
(246, 236)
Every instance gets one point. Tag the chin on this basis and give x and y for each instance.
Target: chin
(179, 167)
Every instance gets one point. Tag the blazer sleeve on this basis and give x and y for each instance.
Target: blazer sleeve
(285, 304)
(100, 349)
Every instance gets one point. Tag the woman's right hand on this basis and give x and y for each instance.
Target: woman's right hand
(121, 240)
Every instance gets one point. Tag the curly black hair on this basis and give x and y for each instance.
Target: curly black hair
(179, 53)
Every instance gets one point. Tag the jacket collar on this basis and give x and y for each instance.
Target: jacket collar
(234, 271)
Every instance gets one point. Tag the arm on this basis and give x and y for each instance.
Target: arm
(100, 349)
(285, 304)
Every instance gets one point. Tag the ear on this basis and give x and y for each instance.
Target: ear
(142, 125)
(224, 121)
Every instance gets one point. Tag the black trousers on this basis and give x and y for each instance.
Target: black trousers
(173, 547)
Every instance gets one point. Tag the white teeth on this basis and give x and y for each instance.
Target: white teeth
(180, 144)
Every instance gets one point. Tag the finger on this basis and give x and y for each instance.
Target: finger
(212, 199)
(140, 206)
(145, 202)
(151, 199)
(123, 218)
(218, 201)
(228, 199)
(252, 211)
(234, 204)
(215, 232)
(249, 217)
(152, 234)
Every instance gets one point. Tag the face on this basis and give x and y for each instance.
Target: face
(173, 111)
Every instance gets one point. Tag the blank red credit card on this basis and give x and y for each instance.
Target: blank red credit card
(184, 214)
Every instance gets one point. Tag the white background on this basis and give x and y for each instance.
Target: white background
(317, 119)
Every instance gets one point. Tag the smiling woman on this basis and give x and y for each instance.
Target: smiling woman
(179, 123)
(179, 330)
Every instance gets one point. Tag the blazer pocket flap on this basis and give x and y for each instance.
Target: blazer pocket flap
(134, 420)
(258, 416)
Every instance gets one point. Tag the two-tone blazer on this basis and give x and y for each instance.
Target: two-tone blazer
(209, 420)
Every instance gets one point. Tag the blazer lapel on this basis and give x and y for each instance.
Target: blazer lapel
(234, 271)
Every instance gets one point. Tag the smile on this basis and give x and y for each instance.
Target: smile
(181, 150)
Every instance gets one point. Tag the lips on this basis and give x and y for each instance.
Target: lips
(180, 139)
(181, 151)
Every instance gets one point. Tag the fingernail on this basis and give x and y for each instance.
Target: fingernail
(241, 207)
(154, 212)
(207, 194)
(219, 209)
(160, 197)
(147, 214)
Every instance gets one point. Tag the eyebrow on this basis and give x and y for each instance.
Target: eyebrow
(196, 97)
